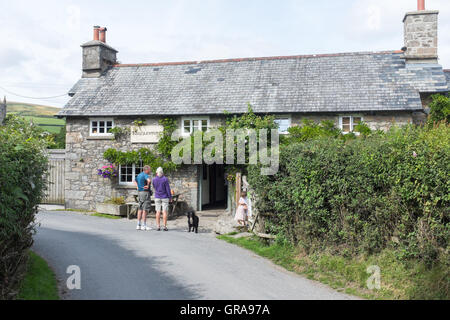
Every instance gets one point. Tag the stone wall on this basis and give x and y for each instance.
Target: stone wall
(382, 121)
(84, 155)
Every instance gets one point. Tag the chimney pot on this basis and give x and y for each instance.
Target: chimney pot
(103, 34)
(96, 33)
(420, 5)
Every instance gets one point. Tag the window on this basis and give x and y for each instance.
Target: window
(191, 125)
(283, 124)
(348, 123)
(101, 127)
(128, 173)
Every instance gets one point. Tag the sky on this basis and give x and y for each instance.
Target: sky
(40, 54)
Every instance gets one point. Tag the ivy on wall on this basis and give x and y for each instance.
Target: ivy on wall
(160, 158)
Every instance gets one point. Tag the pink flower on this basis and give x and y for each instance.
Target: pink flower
(414, 154)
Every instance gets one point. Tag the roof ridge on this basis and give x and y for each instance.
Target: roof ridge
(256, 58)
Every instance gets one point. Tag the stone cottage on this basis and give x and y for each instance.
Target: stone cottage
(379, 88)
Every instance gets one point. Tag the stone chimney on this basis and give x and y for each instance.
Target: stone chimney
(97, 55)
(2, 111)
(421, 35)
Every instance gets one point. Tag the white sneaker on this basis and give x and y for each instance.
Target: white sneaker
(146, 228)
(138, 228)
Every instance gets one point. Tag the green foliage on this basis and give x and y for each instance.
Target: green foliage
(23, 166)
(311, 130)
(147, 156)
(119, 132)
(165, 144)
(439, 109)
(139, 122)
(363, 195)
(363, 129)
(144, 155)
(59, 139)
(118, 201)
(399, 280)
(40, 281)
(248, 120)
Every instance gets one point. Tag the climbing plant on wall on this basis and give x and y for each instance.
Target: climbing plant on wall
(160, 157)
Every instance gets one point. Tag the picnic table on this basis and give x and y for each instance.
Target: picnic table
(133, 207)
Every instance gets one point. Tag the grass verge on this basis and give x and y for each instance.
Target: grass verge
(400, 280)
(107, 216)
(40, 281)
(90, 213)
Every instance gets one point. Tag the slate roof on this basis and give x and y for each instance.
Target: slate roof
(447, 75)
(351, 82)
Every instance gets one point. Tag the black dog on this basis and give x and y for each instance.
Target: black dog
(193, 221)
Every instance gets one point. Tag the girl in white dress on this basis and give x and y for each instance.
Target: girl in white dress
(242, 209)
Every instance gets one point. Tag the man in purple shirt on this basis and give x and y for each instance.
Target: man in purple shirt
(163, 195)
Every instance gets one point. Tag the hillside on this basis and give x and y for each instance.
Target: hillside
(41, 115)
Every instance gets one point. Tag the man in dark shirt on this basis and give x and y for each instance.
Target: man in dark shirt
(143, 185)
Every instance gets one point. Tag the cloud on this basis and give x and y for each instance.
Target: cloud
(374, 18)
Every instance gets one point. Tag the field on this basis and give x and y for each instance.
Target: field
(40, 115)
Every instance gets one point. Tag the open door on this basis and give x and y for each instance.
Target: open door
(212, 187)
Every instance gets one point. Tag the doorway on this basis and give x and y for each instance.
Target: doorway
(213, 187)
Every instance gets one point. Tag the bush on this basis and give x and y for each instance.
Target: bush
(363, 195)
(439, 109)
(22, 169)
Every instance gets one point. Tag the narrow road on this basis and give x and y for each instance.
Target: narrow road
(118, 262)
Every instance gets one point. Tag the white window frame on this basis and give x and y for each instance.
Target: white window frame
(105, 134)
(121, 183)
(352, 124)
(191, 126)
(284, 117)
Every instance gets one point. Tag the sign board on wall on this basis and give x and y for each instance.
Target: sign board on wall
(146, 134)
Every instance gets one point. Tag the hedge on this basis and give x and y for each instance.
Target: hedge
(22, 168)
(363, 195)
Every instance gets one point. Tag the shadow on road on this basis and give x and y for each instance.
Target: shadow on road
(109, 271)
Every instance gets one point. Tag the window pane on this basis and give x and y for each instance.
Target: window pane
(346, 124)
(109, 124)
(205, 125)
(195, 125)
(94, 126)
(101, 130)
(101, 123)
(187, 126)
(283, 125)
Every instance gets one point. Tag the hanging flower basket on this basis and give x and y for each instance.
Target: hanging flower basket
(108, 172)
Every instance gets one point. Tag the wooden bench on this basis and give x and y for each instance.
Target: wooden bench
(133, 207)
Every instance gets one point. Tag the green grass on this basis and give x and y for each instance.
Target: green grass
(90, 213)
(40, 281)
(41, 115)
(28, 109)
(107, 216)
(72, 210)
(399, 279)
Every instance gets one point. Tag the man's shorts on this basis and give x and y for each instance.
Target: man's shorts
(162, 205)
(145, 201)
